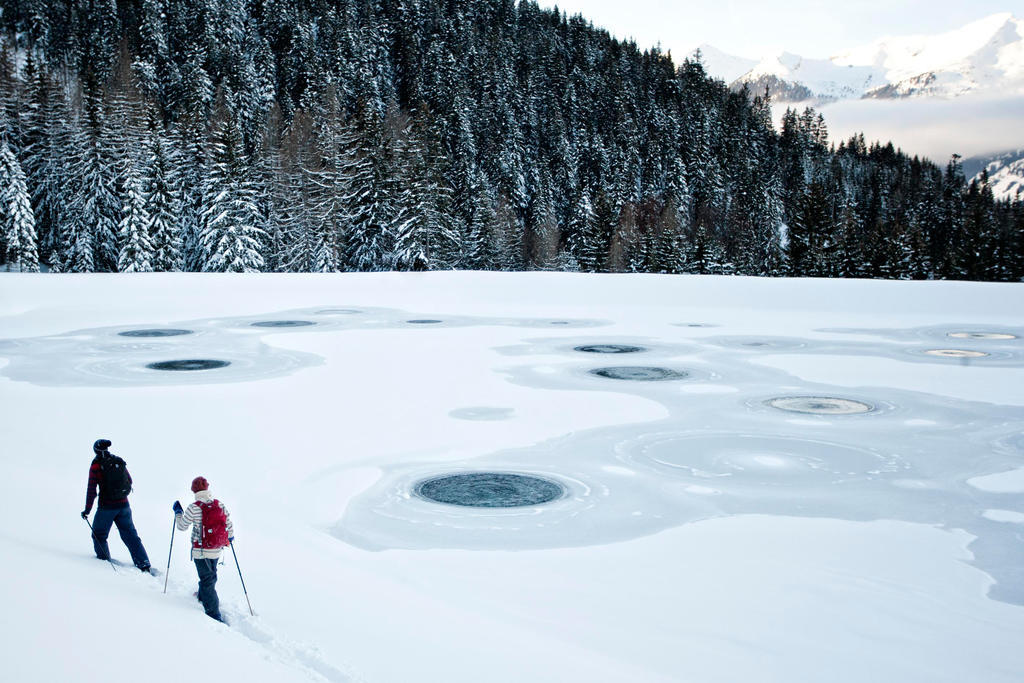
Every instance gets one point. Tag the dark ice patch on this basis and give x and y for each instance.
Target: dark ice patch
(609, 348)
(489, 490)
(640, 373)
(188, 365)
(820, 405)
(156, 332)
(282, 323)
(980, 334)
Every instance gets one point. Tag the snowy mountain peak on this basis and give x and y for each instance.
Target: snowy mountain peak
(984, 56)
(723, 65)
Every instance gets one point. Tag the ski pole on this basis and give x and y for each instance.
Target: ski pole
(167, 574)
(93, 532)
(232, 543)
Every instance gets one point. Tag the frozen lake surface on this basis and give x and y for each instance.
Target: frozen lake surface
(540, 476)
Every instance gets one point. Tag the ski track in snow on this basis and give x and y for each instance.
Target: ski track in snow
(302, 656)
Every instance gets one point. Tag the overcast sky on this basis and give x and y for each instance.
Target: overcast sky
(751, 28)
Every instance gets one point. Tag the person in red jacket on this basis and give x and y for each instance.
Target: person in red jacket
(212, 531)
(109, 474)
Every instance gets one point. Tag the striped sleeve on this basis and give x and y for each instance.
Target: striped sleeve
(188, 518)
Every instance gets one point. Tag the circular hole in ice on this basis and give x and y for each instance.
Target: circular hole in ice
(423, 321)
(188, 365)
(955, 353)
(489, 489)
(609, 348)
(282, 323)
(639, 373)
(981, 335)
(165, 332)
(820, 405)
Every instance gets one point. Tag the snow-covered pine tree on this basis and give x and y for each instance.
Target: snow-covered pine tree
(11, 93)
(197, 91)
(323, 194)
(136, 254)
(252, 83)
(232, 240)
(468, 205)
(299, 157)
(811, 233)
(96, 47)
(483, 232)
(849, 242)
(668, 250)
(273, 189)
(977, 250)
(163, 199)
(424, 236)
(579, 227)
(368, 194)
(595, 241)
(90, 237)
(19, 225)
(48, 133)
(193, 171)
(157, 72)
(543, 230)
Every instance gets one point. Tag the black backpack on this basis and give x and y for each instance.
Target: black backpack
(115, 482)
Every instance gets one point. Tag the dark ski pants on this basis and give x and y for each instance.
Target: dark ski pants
(207, 569)
(122, 517)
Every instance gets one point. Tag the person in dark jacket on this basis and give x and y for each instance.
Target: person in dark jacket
(110, 477)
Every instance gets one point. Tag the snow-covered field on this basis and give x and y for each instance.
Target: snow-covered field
(705, 533)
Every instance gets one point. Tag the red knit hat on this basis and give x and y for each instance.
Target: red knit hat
(200, 484)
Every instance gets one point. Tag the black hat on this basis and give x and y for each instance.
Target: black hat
(101, 445)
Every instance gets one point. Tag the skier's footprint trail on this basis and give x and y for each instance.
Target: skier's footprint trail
(304, 656)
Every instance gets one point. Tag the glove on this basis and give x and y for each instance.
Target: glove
(177, 508)
(85, 514)
(231, 539)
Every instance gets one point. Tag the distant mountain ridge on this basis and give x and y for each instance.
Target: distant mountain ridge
(983, 57)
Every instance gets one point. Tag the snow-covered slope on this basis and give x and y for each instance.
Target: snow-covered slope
(704, 535)
(723, 65)
(983, 57)
(1005, 172)
(820, 78)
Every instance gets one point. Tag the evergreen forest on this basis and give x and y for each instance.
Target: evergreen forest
(362, 135)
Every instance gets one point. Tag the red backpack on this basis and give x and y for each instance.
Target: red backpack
(213, 528)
